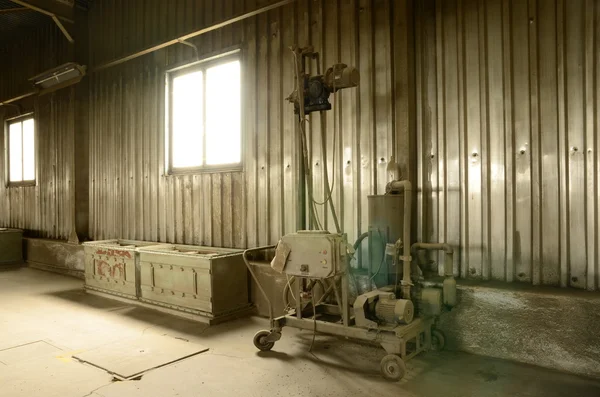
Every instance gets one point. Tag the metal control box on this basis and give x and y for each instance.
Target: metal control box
(315, 254)
(207, 281)
(11, 246)
(112, 266)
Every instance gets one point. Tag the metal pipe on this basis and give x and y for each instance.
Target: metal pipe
(449, 285)
(192, 34)
(15, 9)
(405, 186)
(249, 266)
(18, 98)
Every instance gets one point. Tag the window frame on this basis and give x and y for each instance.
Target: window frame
(7, 123)
(203, 65)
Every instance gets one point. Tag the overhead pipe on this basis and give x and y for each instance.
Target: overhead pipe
(18, 98)
(449, 286)
(406, 187)
(192, 34)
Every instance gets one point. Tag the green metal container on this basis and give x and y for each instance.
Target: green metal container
(11, 246)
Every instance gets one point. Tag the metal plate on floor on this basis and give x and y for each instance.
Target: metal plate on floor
(130, 358)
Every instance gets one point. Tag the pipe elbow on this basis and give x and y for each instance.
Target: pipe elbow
(404, 185)
(447, 248)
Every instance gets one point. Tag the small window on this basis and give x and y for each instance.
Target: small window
(21, 151)
(204, 114)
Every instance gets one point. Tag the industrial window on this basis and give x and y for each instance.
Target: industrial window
(20, 144)
(204, 116)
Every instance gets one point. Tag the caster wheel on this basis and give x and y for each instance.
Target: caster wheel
(438, 341)
(393, 368)
(261, 342)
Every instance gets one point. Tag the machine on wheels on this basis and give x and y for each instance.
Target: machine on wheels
(379, 316)
(401, 314)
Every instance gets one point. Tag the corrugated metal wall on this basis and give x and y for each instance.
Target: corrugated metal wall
(506, 128)
(508, 122)
(43, 210)
(130, 195)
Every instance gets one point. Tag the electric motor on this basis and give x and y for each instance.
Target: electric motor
(395, 311)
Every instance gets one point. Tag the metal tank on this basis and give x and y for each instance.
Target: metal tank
(386, 222)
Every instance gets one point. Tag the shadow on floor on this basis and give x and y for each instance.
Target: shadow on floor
(151, 317)
(79, 296)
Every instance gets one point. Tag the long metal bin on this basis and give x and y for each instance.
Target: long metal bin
(207, 281)
(112, 267)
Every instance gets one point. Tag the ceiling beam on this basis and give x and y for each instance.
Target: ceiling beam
(16, 9)
(58, 12)
(49, 7)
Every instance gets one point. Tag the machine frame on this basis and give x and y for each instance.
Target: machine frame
(401, 342)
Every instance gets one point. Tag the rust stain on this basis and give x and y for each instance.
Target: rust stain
(113, 252)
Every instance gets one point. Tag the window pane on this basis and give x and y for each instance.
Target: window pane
(187, 120)
(223, 120)
(15, 153)
(28, 151)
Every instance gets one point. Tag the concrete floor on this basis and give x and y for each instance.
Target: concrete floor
(39, 306)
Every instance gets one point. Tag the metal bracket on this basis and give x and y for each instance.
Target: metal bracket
(187, 43)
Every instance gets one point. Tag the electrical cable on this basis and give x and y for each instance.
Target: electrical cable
(287, 276)
(326, 174)
(323, 148)
(301, 121)
(312, 297)
(382, 258)
(313, 217)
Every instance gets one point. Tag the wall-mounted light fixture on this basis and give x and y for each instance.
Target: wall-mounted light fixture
(58, 77)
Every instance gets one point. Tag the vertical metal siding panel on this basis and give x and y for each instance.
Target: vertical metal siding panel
(208, 216)
(197, 209)
(332, 165)
(250, 128)
(217, 209)
(590, 154)
(563, 147)
(461, 200)
(522, 139)
(381, 94)
(508, 55)
(263, 133)
(178, 208)
(496, 173)
(472, 154)
(442, 210)
(484, 157)
(453, 140)
(348, 160)
(596, 57)
(575, 116)
(364, 63)
(148, 127)
(291, 152)
(227, 223)
(275, 130)
(549, 156)
(536, 221)
(314, 24)
(424, 172)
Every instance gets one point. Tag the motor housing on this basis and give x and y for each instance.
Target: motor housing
(380, 307)
(394, 311)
